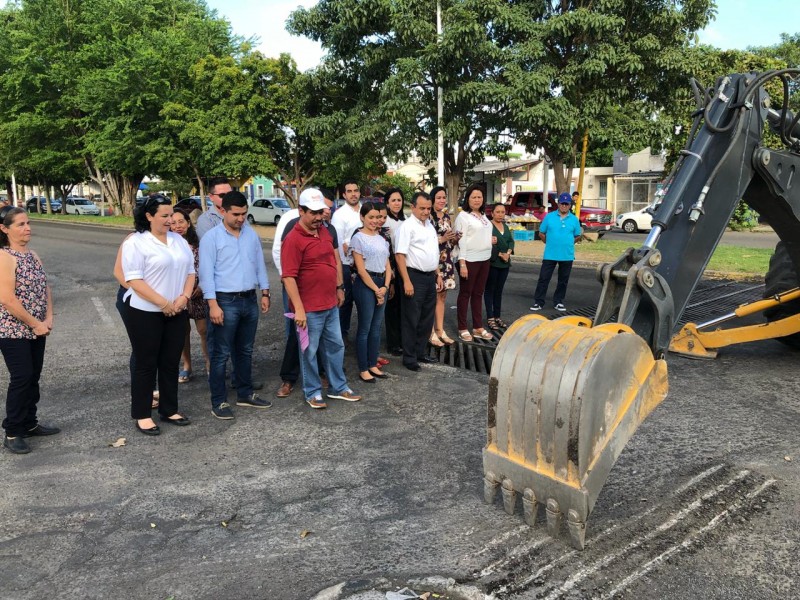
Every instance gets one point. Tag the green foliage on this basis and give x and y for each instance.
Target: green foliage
(744, 218)
(384, 182)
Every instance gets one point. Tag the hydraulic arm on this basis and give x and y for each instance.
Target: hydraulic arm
(565, 396)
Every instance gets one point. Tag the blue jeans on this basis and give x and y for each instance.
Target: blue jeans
(234, 338)
(370, 317)
(324, 336)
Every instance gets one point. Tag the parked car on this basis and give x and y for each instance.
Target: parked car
(594, 219)
(39, 204)
(636, 220)
(267, 210)
(81, 206)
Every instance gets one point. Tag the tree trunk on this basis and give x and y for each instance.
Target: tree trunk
(201, 188)
(454, 165)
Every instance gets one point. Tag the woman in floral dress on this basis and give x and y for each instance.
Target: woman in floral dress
(447, 242)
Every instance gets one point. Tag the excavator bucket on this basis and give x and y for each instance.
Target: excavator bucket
(564, 399)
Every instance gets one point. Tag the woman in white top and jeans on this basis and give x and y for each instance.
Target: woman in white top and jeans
(474, 252)
(159, 268)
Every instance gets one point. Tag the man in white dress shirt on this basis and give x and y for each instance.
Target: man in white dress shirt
(346, 219)
(417, 255)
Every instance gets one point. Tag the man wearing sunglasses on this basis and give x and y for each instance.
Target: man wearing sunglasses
(217, 188)
(559, 231)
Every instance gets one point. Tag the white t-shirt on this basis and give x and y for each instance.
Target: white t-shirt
(164, 267)
(346, 220)
(278, 241)
(476, 237)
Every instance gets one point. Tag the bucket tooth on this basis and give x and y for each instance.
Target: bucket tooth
(554, 517)
(577, 529)
(564, 398)
(509, 496)
(529, 506)
(490, 484)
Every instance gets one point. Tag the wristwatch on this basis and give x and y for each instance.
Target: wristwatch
(265, 294)
(340, 287)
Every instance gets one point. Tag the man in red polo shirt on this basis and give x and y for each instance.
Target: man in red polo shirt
(309, 273)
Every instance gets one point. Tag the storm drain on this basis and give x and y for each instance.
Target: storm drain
(711, 299)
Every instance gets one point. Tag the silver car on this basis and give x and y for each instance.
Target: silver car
(267, 210)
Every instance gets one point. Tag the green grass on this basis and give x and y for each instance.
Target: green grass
(728, 259)
(113, 221)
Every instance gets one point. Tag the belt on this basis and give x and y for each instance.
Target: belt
(374, 274)
(421, 272)
(244, 294)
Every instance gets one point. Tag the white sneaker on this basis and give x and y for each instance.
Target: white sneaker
(561, 308)
(536, 306)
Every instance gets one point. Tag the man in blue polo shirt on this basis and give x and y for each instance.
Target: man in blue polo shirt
(559, 232)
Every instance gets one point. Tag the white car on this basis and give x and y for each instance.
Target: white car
(81, 206)
(267, 210)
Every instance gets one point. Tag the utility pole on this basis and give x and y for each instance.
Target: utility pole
(439, 105)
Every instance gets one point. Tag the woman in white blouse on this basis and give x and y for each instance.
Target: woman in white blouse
(474, 252)
(159, 269)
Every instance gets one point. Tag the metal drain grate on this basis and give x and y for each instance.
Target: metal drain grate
(710, 299)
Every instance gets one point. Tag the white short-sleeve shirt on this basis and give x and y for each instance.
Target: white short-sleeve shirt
(164, 267)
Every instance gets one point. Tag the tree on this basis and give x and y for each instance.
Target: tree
(385, 66)
(84, 83)
(573, 64)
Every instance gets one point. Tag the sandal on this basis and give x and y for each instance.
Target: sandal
(156, 397)
(492, 323)
(501, 324)
(465, 336)
(435, 341)
(184, 377)
(445, 338)
(483, 334)
(382, 361)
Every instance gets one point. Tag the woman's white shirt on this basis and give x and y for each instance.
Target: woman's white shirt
(476, 237)
(164, 267)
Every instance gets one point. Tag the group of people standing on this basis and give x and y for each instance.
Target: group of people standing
(396, 270)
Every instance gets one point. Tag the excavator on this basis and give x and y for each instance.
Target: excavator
(566, 395)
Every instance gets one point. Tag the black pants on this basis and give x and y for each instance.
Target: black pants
(493, 294)
(24, 359)
(546, 272)
(417, 315)
(346, 309)
(392, 316)
(157, 342)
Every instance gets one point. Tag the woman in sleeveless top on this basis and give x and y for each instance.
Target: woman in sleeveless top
(26, 319)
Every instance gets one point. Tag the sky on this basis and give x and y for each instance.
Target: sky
(739, 24)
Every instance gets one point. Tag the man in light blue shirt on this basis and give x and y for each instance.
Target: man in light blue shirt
(559, 232)
(232, 271)
(212, 217)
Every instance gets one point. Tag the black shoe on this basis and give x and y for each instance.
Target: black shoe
(17, 445)
(428, 359)
(378, 375)
(396, 351)
(370, 380)
(253, 401)
(180, 422)
(41, 430)
(154, 430)
(412, 367)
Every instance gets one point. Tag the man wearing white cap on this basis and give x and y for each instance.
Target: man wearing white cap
(313, 283)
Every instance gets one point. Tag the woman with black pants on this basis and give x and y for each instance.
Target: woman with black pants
(394, 201)
(26, 319)
(159, 268)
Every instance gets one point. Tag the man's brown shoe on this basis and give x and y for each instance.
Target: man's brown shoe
(285, 389)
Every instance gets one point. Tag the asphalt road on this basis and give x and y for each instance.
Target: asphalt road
(286, 502)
